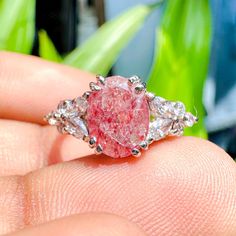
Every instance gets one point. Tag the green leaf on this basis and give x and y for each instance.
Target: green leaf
(47, 50)
(100, 52)
(17, 25)
(182, 56)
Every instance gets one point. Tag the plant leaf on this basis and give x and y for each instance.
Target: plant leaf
(100, 52)
(182, 56)
(17, 25)
(47, 50)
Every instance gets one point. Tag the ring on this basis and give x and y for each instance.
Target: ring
(119, 117)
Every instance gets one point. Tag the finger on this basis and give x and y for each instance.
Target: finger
(184, 186)
(25, 147)
(31, 87)
(85, 225)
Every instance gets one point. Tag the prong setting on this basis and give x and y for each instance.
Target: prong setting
(100, 79)
(98, 149)
(86, 138)
(139, 88)
(86, 95)
(150, 140)
(134, 79)
(136, 152)
(61, 129)
(94, 87)
(92, 142)
(144, 145)
(149, 96)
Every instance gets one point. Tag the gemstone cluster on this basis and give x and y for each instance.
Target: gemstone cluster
(119, 118)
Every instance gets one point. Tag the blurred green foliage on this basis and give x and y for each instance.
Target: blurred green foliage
(99, 53)
(17, 22)
(47, 50)
(182, 55)
(95, 55)
(182, 47)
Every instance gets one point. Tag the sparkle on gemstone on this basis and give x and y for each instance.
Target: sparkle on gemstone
(155, 104)
(189, 119)
(159, 128)
(179, 109)
(118, 117)
(67, 109)
(81, 127)
(81, 104)
(52, 120)
(167, 109)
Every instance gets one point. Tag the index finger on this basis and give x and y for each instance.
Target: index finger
(30, 87)
(182, 186)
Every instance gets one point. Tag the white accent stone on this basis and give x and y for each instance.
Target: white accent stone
(189, 119)
(76, 132)
(177, 128)
(159, 128)
(51, 118)
(179, 109)
(52, 121)
(81, 104)
(79, 124)
(155, 105)
(67, 109)
(167, 109)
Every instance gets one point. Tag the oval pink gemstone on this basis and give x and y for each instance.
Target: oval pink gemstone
(117, 117)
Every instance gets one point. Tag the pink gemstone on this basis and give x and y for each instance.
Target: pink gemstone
(117, 117)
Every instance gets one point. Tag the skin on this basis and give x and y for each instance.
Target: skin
(53, 184)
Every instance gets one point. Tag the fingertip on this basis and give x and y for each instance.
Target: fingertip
(187, 147)
(88, 224)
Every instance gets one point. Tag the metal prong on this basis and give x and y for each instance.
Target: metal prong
(134, 79)
(86, 138)
(92, 142)
(144, 145)
(47, 117)
(86, 95)
(98, 149)
(176, 132)
(150, 140)
(136, 152)
(100, 79)
(53, 120)
(65, 104)
(61, 129)
(149, 96)
(94, 87)
(139, 88)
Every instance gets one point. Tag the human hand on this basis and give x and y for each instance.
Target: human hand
(180, 186)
